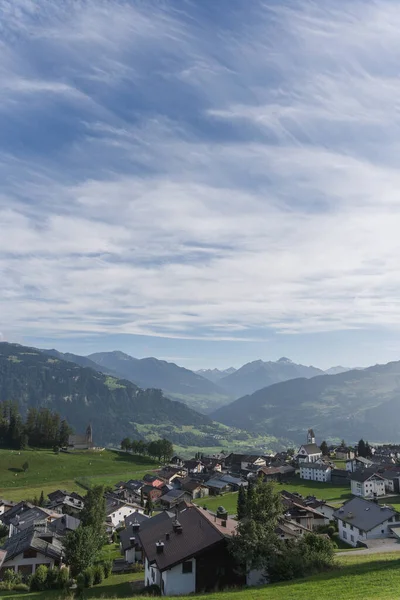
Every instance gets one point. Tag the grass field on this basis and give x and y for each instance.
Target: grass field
(371, 577)
(324, 491)
(116, 586)
(48, 471)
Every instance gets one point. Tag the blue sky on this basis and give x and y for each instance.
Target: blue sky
(209, 182)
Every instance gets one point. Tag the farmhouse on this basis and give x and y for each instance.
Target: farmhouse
(117, 511)
(360, 520)
(367, 484)
(26, 550)
(357, 463)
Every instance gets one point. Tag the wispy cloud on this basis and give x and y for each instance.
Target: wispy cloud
(194, 172)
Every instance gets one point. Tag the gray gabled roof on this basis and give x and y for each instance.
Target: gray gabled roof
(311, 448)
(315, 466)
(362, 476)
(31, 539)
(364, 514)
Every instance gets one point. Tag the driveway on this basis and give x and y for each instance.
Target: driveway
(375, 547)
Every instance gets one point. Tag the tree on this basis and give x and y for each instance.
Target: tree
(361, 448)
(41, 499)
(149, 507)
(343, 444)
(256, 538)
(81, 549)
(250, 498)
(93, 513)
(368, 451)
(167, 450)
(141, 497)
(324, 448)
(25, 466)
(241, 503)
(65, 432)
(126, 444)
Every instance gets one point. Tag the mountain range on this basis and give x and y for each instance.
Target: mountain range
(81, 394)
(354, 404)
(215, 375)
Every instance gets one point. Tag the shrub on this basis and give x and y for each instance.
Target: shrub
(5, 585)
(63, 577)
(52, 578)
(21, 587)
(137, 567)
(152, 590)
(98, 574)
(88, 577)
(9, 576)
(331, 531)
(107, 567)
(39, 579)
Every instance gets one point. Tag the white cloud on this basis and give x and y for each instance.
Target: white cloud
(281, 210)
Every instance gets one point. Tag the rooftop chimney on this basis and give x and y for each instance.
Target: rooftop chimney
(135, 525)
(132, 541)
(176, 526)
(160, 547)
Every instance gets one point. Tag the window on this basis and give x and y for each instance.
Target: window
(344, 535)
(187, 566)
(351, 527)
(382, 531)
(352, 538)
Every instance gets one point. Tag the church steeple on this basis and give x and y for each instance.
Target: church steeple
(89, 433)
(310, 436)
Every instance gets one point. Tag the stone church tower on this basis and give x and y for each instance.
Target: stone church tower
(310, 436)
(89, 434)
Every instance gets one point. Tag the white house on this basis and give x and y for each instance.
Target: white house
(367, 484)
(315, 471)
(188, 554)
(360, 520)
(117, 511)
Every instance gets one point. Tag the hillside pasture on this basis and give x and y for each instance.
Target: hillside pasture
(48, 471)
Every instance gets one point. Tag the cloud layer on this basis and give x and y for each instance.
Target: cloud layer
(186, 170)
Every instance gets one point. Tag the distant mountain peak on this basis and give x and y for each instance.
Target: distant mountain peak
(285, 360)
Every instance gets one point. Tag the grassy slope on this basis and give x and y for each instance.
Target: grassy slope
(325, 491)
(373, 577)
(48, 471)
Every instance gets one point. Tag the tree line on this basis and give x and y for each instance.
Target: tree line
(161, 449)
(42, 428)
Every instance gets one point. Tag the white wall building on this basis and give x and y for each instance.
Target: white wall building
(367, 484)
(360, 520)
(178, 581)
(315, 471)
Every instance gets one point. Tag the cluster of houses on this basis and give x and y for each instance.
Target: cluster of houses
(163, 523)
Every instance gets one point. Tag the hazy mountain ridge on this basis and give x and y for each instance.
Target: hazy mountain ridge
(353, 404)
(215, 375)
(176, 382)
(259, 374)
(82, 395)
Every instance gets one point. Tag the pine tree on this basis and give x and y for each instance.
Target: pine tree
(324, 448)
(149, 507)
(41, 499)
(361, 448)
(250, 499)
(141, 498)
(241, 503)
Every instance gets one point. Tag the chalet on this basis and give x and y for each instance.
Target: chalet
(24, 515)
(28, 549)
(117, 511)
(367, 484)
(194, 488)
(174, 497)
(392, 480)
(136, 517)
(315, 472)
(212, 463)
(360, 520)
(296, 510)
(170, 474)
(194, 466)
(188, 554)
(357, 463)
(129, 491)
(244, 462)
(234, 482)
(154, 481)
(151, 492)
(217, 487)
(344, 453)
(176, 461)
(130, 543)
(81, 441)
(321, 506)
(280, 473)
(64, 502)
(5, 505)
(64, 524)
